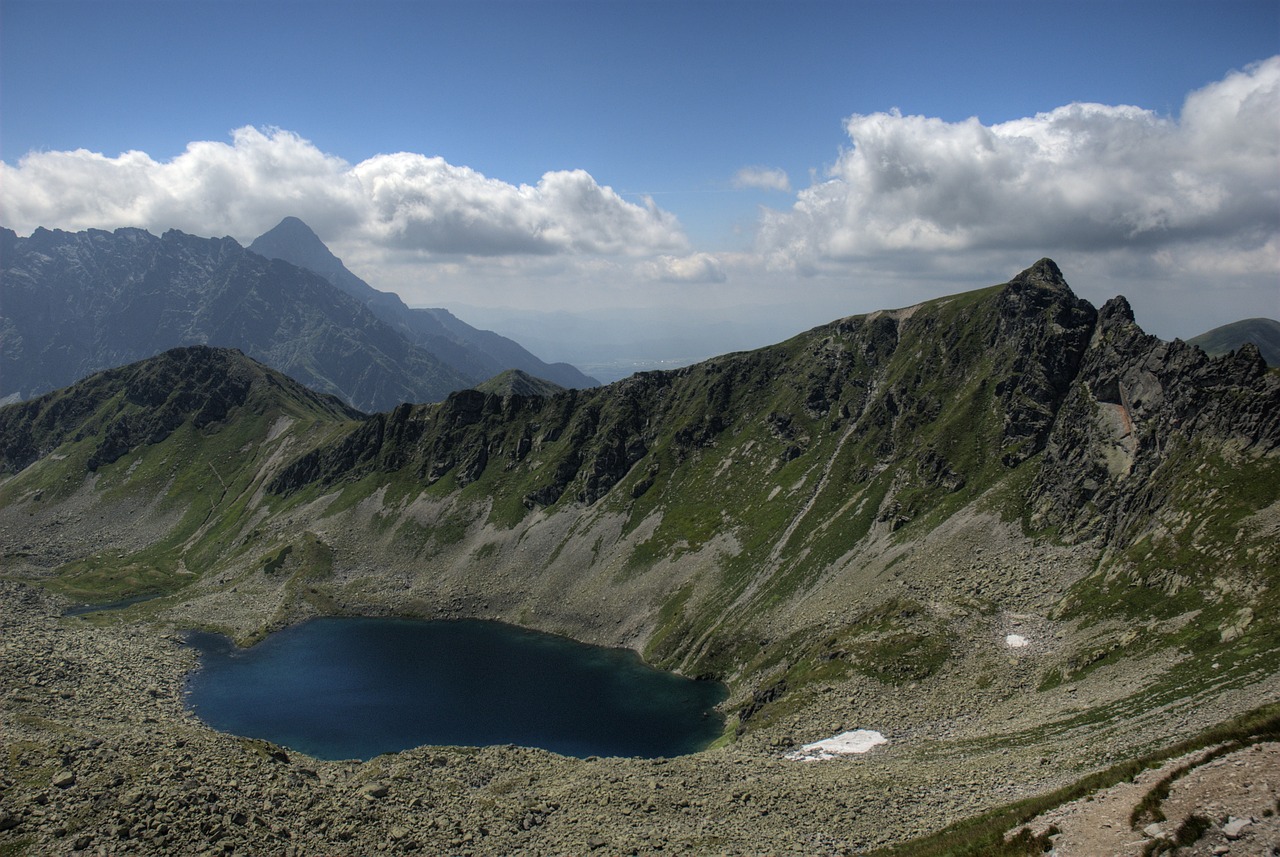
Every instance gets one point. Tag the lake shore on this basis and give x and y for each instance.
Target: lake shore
(102, 757)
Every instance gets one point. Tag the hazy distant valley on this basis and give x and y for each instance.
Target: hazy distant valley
(1010, 531)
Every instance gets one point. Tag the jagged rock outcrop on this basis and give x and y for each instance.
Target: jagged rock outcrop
(1137, 408)
(1049, 329)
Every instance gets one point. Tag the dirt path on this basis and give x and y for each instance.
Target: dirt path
(1237, 794)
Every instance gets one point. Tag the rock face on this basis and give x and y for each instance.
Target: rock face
(476, 354)
(1139, 409)
(865, 371)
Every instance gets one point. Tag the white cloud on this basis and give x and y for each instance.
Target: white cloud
(1084, 178)
(694, 268)
(400, 201)
(1181, 214)
(763, 178)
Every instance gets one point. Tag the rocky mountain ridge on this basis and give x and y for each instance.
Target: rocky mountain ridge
(77, 303)
(848, 528)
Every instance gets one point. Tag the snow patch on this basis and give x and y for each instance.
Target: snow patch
(844, 744)
(1016, 641)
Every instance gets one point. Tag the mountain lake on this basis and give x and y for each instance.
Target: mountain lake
(354, 688)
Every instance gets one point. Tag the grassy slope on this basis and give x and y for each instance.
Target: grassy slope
(195, 470)
(714, 498)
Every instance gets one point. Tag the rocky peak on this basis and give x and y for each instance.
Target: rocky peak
(293, 238)
(1116, 311)
(1044, 274)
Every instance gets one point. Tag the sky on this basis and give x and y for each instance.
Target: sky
(750, 167)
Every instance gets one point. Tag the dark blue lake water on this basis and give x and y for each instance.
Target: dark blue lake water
(346, 688)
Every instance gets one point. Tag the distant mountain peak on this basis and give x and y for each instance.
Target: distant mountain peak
(293, 228)
(474, 353)
(515, 382)
(292, 239)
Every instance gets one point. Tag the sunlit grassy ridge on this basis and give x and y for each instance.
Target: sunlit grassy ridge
(709, 510)
(163, 448)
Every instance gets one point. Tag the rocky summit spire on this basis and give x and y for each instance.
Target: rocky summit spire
(1044, 274)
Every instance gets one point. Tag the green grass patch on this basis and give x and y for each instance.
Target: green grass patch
(273, 562)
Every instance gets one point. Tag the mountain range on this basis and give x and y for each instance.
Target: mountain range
(1020, 536)
(75, 303)
(478, 354)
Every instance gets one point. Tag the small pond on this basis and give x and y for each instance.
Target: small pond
(353, 688)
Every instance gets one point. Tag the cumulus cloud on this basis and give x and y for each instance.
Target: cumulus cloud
(694, 268)
(1084, 177)
(763, 178)
(400, 201)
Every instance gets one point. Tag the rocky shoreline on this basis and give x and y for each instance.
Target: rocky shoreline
(102, 757)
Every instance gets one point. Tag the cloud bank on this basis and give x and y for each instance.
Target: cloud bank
(1084, 178)
(1180, 213)
(400, 201)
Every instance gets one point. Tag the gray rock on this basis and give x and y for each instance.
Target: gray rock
(373, 791)
(1234, 828)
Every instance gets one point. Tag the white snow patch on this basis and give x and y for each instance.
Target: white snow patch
(844, 744)
(1016, 641)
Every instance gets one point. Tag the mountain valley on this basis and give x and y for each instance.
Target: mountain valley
(1021, 538)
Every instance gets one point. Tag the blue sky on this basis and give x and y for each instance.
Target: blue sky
(700, 154)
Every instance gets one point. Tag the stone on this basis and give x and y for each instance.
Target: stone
(64, 779)
(373, 791)
(1234, 828)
